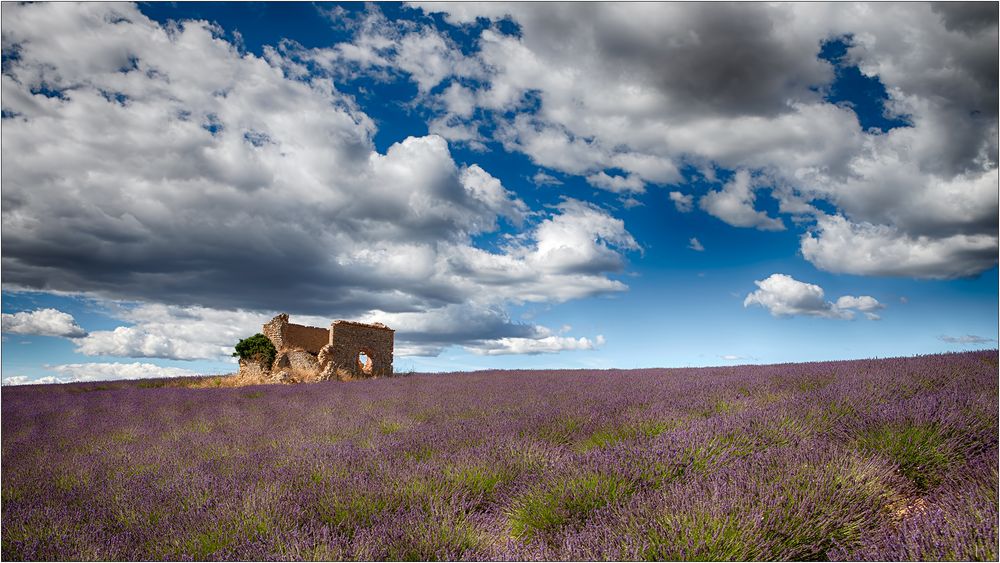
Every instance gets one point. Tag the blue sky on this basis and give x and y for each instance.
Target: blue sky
(508, 186)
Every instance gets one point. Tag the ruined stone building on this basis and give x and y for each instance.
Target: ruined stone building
(346, 351)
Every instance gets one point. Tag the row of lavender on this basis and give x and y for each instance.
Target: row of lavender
(880, 459)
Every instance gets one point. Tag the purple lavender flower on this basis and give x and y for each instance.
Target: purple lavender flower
(871, 460)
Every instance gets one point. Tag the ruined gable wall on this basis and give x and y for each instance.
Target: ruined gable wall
(274, 330)
(287, 336)
(348, 339)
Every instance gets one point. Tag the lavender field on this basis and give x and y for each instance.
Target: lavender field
(872, 460)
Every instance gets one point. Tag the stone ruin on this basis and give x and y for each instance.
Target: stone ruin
(346, 351)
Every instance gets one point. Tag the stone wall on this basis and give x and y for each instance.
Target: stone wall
(288, 336)
(348, 340)
(308, 338)
(274, 330)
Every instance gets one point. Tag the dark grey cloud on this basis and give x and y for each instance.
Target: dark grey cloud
(969, 17)
(716, 59)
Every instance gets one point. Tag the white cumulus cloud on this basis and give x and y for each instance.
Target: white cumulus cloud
(22, 380)
(69, 373)
(75, 373)
(864, 303)
(616, 184)
(171, 332)
(734, 204)
(542, 179)
(546, 345)
(734, 357)
(785, 296)
(839, 245)
(42, 322)
(966, 340)
(683, 202)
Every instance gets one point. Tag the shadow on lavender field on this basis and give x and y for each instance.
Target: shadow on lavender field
(872, 460)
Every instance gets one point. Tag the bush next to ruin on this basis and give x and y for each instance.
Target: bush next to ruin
(257, 348)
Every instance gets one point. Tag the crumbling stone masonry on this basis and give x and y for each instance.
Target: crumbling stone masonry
(348, 341)
(345, 351)
(286, 336)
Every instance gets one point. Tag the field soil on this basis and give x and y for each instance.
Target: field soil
(889, 459)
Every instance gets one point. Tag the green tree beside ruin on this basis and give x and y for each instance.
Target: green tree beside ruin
(257, 348)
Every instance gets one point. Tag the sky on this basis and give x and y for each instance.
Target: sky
(528, 185)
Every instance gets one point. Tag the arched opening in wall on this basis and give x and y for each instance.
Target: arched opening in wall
(365, 363)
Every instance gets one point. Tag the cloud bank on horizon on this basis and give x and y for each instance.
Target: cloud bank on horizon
(183, 179)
